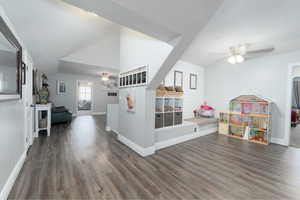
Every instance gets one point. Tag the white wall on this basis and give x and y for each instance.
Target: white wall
(192, 99)
(12, 143)
(137, 50)
(12, 137)
(266, 76)
(69, 99)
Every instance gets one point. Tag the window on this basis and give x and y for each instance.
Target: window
(85, 93)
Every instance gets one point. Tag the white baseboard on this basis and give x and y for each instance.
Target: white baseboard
(278, 141)
(173, 141)
(137, 148)
(117, 132)
(99, 113)
(12, 177)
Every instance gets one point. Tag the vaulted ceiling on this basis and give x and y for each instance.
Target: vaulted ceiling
(52, 29)
(57, 32)
(260, 22)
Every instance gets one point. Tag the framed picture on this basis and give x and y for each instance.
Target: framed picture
(178, 79)
(139, 78)
(134, 79)
(144, 77)
(130, 79)
(61, 87)
(130, 101)
(127, 80)
(23, 73)
(193, 81)
(123, 81)
(34, 82)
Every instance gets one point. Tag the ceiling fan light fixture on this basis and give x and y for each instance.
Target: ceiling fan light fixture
(105, 76)
(239, 58)
(232, 60)
(235, 59)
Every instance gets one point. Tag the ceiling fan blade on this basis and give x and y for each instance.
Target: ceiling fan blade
(261, 51)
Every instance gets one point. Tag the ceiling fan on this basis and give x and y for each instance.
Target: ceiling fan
(109, 80)
(242, 52)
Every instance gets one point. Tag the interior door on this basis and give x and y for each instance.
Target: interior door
(29, 109)
(84, 97)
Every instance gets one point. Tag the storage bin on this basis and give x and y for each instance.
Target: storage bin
(178, 118)
(159, 120)
(168, 119)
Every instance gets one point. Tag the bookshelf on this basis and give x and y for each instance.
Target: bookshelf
(168, 111)
(249, 118)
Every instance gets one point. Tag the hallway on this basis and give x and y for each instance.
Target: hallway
(295, 137)
(83, 161)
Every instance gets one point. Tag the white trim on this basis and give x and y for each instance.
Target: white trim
(117, 132)
(12, 177)
(99, 113)
(289, 90)
(137, 148)
(173, 141)
(10, 97)
(279, 141)
(107, 128)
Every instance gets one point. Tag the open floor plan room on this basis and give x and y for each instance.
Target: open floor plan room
(141, 100)
(91, 163)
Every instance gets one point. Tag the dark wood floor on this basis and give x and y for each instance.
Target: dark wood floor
(82, 161)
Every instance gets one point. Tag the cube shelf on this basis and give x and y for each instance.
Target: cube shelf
(168, 111)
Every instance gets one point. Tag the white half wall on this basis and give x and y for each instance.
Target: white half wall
(266, 76)
(192, 99)
(137, 50)
(100, 97)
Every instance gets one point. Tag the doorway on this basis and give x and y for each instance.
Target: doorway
(295, 109)
(84, 97)
(292, 115)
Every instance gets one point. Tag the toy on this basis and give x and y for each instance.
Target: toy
(205, 111)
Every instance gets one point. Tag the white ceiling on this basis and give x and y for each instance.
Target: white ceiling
(4, 44)
(56, 32)
(52, 29)
(164, 20)
(262, 22)
(84, 69)
(176, 15)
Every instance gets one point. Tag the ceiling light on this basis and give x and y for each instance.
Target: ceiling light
(104, 78)
(239, 58)
(234, 59)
